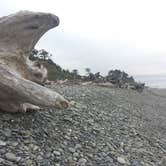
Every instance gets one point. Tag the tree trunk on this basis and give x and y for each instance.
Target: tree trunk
(18, 90)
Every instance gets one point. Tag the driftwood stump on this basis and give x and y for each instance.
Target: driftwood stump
(19, 77)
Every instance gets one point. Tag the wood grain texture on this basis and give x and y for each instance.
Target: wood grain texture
(20, 78)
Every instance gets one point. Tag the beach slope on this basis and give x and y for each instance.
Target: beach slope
(104, 127)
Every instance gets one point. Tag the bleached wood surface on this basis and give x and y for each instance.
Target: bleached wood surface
(19, 77)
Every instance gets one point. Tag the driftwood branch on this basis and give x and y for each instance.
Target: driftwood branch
(19, 77)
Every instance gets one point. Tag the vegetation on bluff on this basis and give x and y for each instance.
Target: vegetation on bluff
(116, 77)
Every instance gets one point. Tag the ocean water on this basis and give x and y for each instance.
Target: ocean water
(153, 81)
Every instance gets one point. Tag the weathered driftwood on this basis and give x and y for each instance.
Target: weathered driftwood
(19, 77)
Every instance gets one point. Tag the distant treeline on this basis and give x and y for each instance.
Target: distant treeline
(55, 72)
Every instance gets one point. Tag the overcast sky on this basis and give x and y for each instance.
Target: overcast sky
(103, 34)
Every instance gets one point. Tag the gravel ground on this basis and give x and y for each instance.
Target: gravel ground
(105, 127)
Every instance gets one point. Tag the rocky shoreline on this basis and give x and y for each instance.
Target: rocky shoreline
(104, 127)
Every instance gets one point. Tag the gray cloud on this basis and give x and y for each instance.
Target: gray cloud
(71, 51)
(109, 39)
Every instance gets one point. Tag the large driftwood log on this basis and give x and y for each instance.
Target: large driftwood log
(20, 77)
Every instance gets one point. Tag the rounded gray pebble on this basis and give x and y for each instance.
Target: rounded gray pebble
(82, 162)
(11, 157)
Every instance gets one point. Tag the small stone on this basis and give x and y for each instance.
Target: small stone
(109, 159)
(72, 150)
(2, 143)
(91, 121)
(57, 164)
(121, 160)
(65, 143)
(2, 151)
(7, 132)
(75, 154)
(74, 158)
(89, 155)
(93, 144)
(80, 106)
(70, 161)
(82, 162)
(39, 158)
(26, 141)
(12, 157)
(48, 155)
(67, 119)
(110, 146)
(103, 154)
(25, 148)
(60, 150)
(81, 154)
(33, 147)
(14, 143)
(58, 158)
(96, 128)
(1, 160)
(78, 146)
(28, 162)
(67, 137)
(163, 160)
(57, 153)
(83, 95)
(72, 102)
